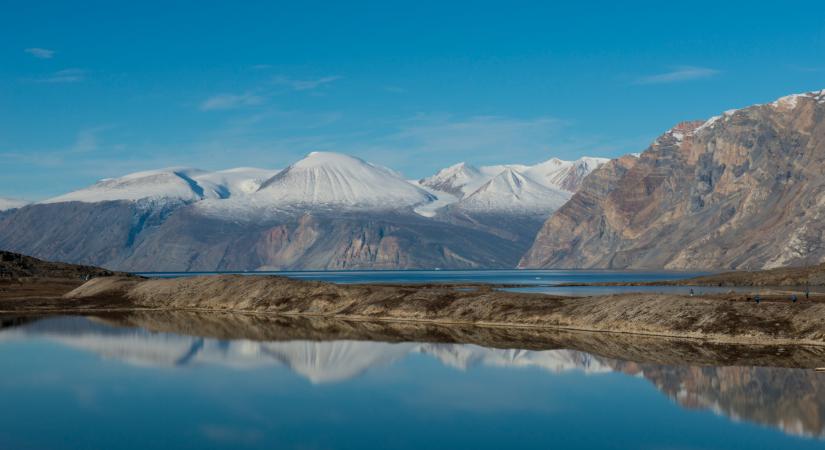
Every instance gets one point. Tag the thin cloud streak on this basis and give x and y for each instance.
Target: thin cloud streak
(260, 95)
(679, 74)
(64, 76)
(40, 53)
(305, 85)
(231, 101)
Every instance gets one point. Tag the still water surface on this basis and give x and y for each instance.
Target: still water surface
(72, 383)
(539, 281)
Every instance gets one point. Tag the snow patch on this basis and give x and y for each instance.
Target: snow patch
(442, 199)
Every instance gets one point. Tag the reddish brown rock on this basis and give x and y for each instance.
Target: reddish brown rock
(745, 190)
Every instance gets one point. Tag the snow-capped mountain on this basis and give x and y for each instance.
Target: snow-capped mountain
(459, 180)
(185, 185)
(333, 179)
(566, 175)
(326, 211)
(513, 192)
(11, 203)
(462, 179)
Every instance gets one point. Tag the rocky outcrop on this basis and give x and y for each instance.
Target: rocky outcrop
(15, 266)
(744, 190)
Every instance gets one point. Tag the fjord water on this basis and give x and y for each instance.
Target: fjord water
(71, 382)
(538, 281)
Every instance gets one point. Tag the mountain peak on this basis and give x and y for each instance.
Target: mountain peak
(459, 179)
(561, 174)
(512, 191)
(321, 159)
(325, 178)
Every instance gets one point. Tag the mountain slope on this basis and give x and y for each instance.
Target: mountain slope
(235, 182)
(316, 240)
(175, 184)
(742, 190)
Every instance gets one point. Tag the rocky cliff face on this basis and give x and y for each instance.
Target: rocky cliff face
(744, 190)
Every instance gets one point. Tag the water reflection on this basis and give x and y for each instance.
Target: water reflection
(791, 400)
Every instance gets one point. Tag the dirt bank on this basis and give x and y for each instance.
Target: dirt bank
(785, 276)
(797, 278)
(723, 318)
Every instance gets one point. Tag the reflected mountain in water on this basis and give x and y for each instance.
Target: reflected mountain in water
(792, 400)
(317, 361)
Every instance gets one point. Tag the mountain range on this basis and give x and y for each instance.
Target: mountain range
(326, 211)
(742, 190)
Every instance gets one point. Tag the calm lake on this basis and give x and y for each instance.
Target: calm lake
(539, 281)
(76, 383)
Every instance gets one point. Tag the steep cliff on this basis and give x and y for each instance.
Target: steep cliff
(743, 190)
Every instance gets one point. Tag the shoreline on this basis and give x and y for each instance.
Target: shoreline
(696, 337)
(718, 318)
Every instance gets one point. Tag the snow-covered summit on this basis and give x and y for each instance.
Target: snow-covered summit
(176, 184)
(565, 175)
(11, 203)
(463, 179)
(512, 191)
(459, 179)
(334, 179)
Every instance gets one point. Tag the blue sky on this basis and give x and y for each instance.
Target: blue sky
(107, 88)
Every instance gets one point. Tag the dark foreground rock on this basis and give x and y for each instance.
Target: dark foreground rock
(15, 265)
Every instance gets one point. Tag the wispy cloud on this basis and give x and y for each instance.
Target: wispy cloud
(42, 53)
(261, 94)
(305, 85)
(678, 74)
(395, 89)
(64, 76)
(231, 101)
(87, 140)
